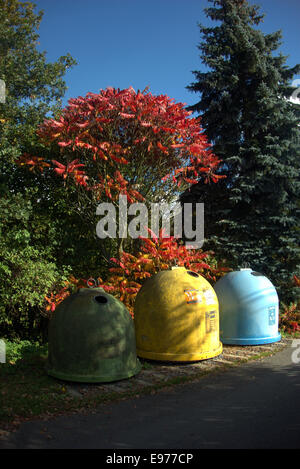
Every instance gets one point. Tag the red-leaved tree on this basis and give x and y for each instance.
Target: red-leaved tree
(119, 140)
(123, 142)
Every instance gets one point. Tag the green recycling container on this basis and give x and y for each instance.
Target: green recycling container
(92, 339)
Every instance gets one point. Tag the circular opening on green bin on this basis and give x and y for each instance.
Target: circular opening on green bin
(193, 274)
(101, 299)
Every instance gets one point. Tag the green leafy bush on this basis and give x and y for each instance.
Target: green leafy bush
(18, 351)
(26, 271)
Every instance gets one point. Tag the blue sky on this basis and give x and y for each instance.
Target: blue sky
(141, 43)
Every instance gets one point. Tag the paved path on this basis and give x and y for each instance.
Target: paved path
(256, 405)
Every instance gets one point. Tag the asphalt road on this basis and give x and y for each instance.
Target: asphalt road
(256, 405)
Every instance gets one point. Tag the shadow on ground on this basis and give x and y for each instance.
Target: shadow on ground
(255, 405)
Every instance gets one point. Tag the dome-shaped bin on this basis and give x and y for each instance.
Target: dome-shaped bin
(176, 317)
(249, 308)
(92, 339)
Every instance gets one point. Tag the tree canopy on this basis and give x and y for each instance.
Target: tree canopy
(253, 214)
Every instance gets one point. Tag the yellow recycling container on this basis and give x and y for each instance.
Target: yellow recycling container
(176, 316)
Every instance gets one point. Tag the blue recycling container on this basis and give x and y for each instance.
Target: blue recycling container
(249, 308)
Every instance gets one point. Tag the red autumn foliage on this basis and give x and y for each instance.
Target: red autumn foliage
(296, 281)
(33, 162)
(130, 272)
(289, 318)
(115, 128)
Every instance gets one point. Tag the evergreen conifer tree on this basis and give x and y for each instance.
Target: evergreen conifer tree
(252, 215)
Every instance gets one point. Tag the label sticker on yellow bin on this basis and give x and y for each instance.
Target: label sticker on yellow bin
(209, 297)
(211, 321)
(193, 296)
